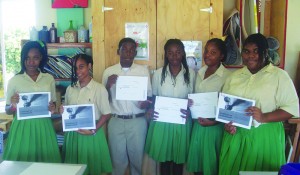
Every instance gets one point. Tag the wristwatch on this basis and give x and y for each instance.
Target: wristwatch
(93, 131)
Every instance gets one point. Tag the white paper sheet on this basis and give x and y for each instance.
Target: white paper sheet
(78, 117)
(169, 109)
(205, 104)
(33, 105)
(232, 108)
(131, 88)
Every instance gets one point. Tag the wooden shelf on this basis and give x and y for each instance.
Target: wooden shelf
(68, 45)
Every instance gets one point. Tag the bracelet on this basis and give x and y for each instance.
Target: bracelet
(12, 108)
(93, 131)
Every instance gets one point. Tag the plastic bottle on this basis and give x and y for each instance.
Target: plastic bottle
(44, 34)
(82, 34)
(90, 32)
(34, 34)
(53, 34)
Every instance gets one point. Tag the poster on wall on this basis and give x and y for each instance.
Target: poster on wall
(140, 33)
(193, 50)
(69, 3)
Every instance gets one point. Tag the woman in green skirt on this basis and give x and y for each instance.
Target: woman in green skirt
(205, 146)
(87, 146)
(31, 139)
(260, 148)
(168, 143)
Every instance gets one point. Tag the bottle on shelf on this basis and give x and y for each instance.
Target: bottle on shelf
(82, 34)
(71, 25)
(34, 34)
(53, 34)
(44, 34)
(90, 31)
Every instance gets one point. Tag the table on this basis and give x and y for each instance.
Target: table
(38, 168)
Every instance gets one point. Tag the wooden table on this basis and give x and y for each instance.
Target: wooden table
(34, 168)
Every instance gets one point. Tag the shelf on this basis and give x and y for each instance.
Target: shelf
(68, 45)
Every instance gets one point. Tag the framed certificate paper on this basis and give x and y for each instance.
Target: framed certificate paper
(131, 88)
(232, 108)
(33, 105)
(78, 117)
(204, 104)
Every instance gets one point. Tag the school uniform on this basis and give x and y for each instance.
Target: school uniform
(34, 139)
(128, 126)
(88, 149)
(259, 148)
(205, 143)
(168, 141)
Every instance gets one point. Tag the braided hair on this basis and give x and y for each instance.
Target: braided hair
(183, 60)
(41, 47)
(88, 59)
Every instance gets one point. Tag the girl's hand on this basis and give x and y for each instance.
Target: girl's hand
(230, 128)
(256, 113)
(14, 100)
(190, 103)
(51, 107)
(206, 122)
(151, 114)
(61, 109)
(86, 131)
(186, 113)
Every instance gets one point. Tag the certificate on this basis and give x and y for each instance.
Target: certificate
(78, 117)
(33, 105)
(232, 108)
(169, 109)
(131, 88)
(205, 104)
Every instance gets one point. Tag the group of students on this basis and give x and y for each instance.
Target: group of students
(204, 145)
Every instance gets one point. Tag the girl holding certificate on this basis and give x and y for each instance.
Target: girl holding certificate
(207, 133)
(168, 143)
(262, 147)
(32, 139)
(87, 146)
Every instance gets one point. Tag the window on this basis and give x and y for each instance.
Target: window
(15, 22)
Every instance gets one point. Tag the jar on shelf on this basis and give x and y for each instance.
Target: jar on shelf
(71, 34)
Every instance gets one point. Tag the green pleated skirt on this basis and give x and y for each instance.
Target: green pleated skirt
(168, 141)
(91, 150)
(32, 140)
(257, 149)
(205, 149)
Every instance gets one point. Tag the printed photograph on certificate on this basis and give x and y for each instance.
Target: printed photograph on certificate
(232, 108)
(78, 117)
(33, 105)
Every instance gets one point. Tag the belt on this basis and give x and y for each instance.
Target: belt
(129, 116)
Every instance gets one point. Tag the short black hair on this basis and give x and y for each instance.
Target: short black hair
(262, 44)
(221, 45)
(125, 40)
